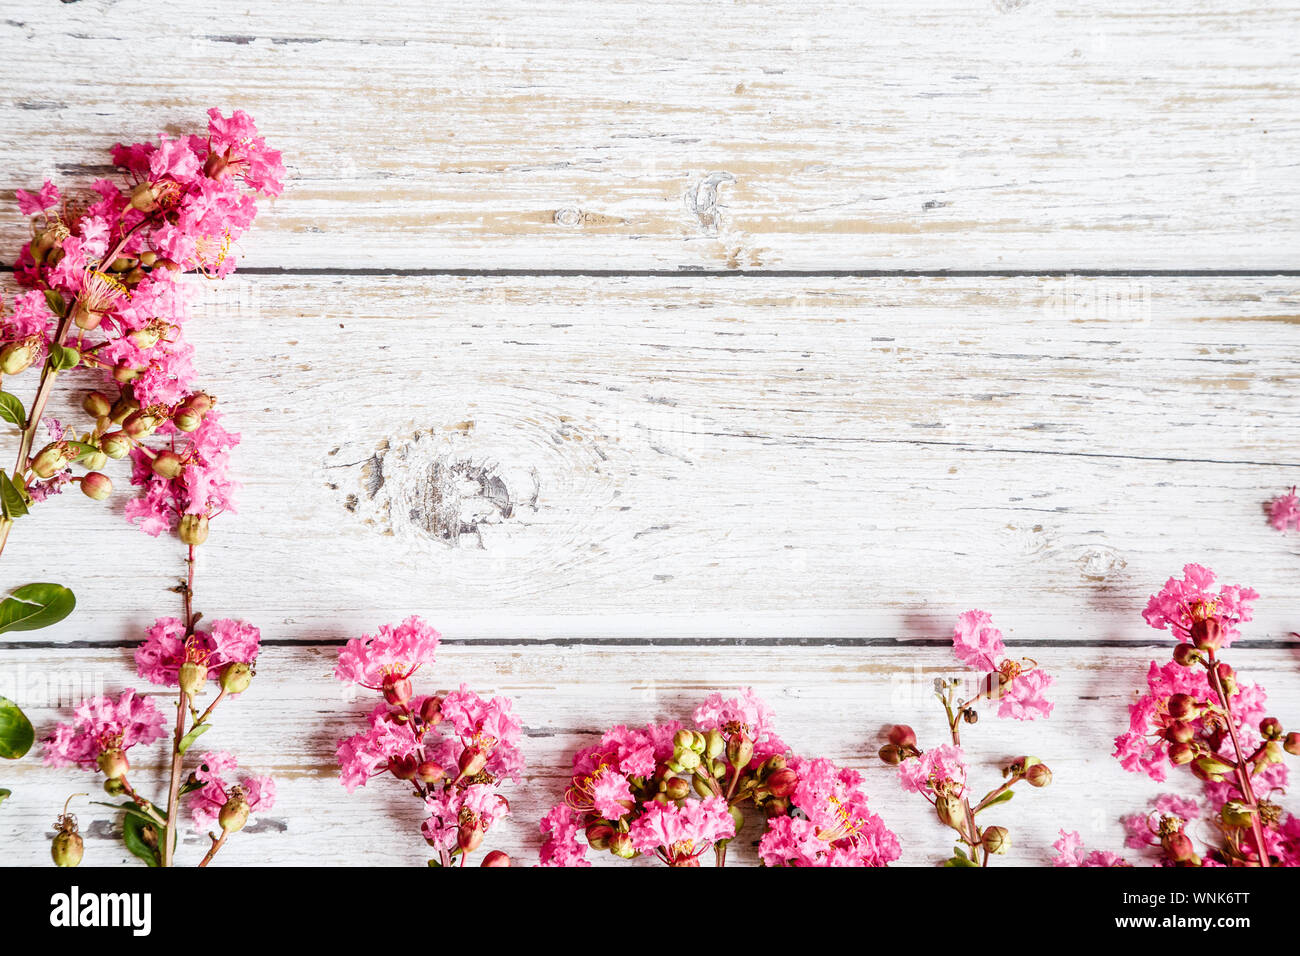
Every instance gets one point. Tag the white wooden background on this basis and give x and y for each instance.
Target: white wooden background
(765, 338)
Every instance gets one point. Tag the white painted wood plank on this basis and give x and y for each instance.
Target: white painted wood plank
(955, 134)
(715, 457)
(829, 701)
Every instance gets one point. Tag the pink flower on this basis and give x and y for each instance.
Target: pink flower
(482, 729)
(166, 647)
(746, 713)
(202, 488)
(385, 660)
(1017, 689)
(207, 801)
(1182, 605)
(1069, 852)
(835, 827)
(365, 754)
(679, 834)
(940, 769)
(1284, 511)
(239, 151)
(100, 725)
(1143, 828)
(32, 204)
(454, 809)
(561, 847)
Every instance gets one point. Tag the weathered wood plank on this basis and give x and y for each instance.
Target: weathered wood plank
(714, 457)
(670, 135)
(829, 701)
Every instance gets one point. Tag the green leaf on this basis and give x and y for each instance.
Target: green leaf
(56, 302)
(1002, 797)
(188, 740)
(5, 794)
(16, 732)
(63, 357)
(13, 504)
(960, 861)
(130, 809)
(141, 838)
(34, 606)
(11, 410)
(83, 450)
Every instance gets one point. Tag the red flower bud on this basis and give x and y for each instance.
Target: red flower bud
(472, 760)
(96, 485)
(1177, 846)
(397, 690)
(496, 858)
(1180, 754)
(1182, 706)
(1185, 655)
(599, 835)
(1180, 732)
(1207, 634)
(902, 736)
(469, 836)
(1271, 728)
(403, 768)
(1292, 743)
(782, 782)
(168, 464)
(1038, 775)
(430, 772)
(891, 755)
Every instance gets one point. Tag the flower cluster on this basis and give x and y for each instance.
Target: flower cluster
(104, 290)
(1284, 511)
(673, 792)
(1197, 713)
(940, 773)
(104, 729)
(453, 749)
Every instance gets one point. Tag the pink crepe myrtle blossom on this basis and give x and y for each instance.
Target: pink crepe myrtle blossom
(167, 646)
(104, 725)
(207, 802)
(561, 846)
(834, 828)
(744, 714)
(1284, 511)
(1070, 852)
(1017, 685)
(387, 660)
(1193, 612)
(941, 769)
(678, 835)
(453, 751)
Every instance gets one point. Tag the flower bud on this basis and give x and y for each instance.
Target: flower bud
(698, 742)
(116, 445)
(737, 819)
(1177, 846)
(688, 760)
(599, 835)
(1185, 655)
(168, 464)
(902, 736)
(1292, 743)
(187, 420)
(620, 844)
(1236, 814)
(67, 848)
(472, 761)
(193, 677)
(740, 750)
(996, 839)
(678, 789)
(144, 197)
(235, 677)
(702, 787)
(782, 782)
(970, 715)
(200, 402)
(1180, 732)
(776, 807)
(1227, 677)
(139, 424)
(96, 485)
(1038, 775)
(86, 316)
(714, 743)
(1180, 754)
(113, 787)
(1207, 634)
(51, 459)
(496, 858)
(94, 460)
(1271, 728)
(891, 755)
(18, 356)
(114, 764)
(950, 811)
(97, 404)
(397, 690)
(193, 529)
(125, 373)
(122, 408)
(431, 711)
(683, 739)
(469, 836)
(1212, 768)
(429, 772)
(234, 813)
(1182, 706)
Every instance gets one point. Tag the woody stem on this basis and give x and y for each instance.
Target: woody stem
(1243, 771)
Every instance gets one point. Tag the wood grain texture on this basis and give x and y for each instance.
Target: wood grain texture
(713, 457)
(830, 702)
(968, 134)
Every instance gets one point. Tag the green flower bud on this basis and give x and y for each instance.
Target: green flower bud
(193, 678)
(234, 813)
(168, 464)
(67, 848)
(235, 677)
(193, 529)
(114, 764)
(996, 839)
(187, 420)
(17, 357)
(688, 760)
(97, 404)
(52, 459)
(714, 743)
(116, 445)
(1236, 814)
(950, 811)
(740, 750)
(620, 844)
